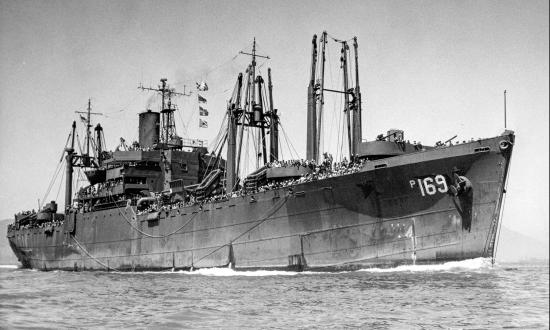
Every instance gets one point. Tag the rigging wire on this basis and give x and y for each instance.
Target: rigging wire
(59, 187)
(289, 144)
(281, 148)
(183, 126)
(247, 152)
(53, 180)
(207, 73)
(90, 255)
(56, 171)
(338, 40)
(78, 143)
(134, 218)
(124, 108)
(264, 218)
(191, 117)
(254, 143)
(217, 153)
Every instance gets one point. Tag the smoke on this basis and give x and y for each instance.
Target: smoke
(151, 101)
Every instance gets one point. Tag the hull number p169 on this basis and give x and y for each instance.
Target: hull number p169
(430, 185)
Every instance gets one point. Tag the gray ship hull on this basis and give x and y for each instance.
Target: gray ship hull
(396, 210)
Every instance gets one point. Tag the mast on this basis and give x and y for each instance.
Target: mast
(274, 123)
(69, 171)
(88, 128)
(344, 61)
(311, 150)
(241, 132)
(262, 119)
(253, 99)
(86, 161)
(357, 128)
(165, 113)
(321, 95)
(233, 117)
(253, 71)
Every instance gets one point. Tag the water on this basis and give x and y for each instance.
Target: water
(456, 295)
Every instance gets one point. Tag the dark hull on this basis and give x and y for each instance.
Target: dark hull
(377, 216)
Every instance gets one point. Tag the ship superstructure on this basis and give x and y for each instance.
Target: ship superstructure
(167, 202)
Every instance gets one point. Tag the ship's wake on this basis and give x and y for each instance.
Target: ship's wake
(232, 272)
(9, 266)
(451, 266)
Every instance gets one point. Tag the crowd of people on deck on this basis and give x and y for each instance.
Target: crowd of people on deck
(136, 147)
(91, 206)
(26, 213)
(325, 169)
(314, 171)
(36, 224)
(93, 190)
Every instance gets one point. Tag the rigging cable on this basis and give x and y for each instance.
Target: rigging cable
(52, 182)
(338, 40)
(217, 141)
(78, 143)
(79, 179)
(266, 217)
(124, 108)
(134, 218)
(183, 126)
(91, 256)
(281, 148)
(289, 144)
(205, 75)
(216, 159)
(56, 171)
(59, 187)
(246, 168)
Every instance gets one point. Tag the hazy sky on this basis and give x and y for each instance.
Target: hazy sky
(431, 68)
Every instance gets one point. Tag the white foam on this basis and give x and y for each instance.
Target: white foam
(232, 272)
(9, 266)
(469, 264)
(464, 265)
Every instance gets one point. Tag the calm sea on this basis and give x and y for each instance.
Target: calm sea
(460, 295)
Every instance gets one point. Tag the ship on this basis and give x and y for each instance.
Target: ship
(169, 203)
